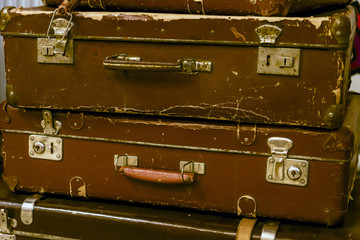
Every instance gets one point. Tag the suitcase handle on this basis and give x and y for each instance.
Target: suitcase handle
(157, 176)
(188, 66)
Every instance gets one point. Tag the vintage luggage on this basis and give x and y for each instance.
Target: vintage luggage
(228, 7)
(256, 171)
(59, 218)
(290, 71)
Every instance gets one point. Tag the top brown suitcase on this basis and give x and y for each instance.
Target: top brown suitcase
(280, 70)
(227, 7)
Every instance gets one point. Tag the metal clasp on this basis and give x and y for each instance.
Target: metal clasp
(282, 170)
(6, 223)
(268, 33)
(191, 167)
(48, 125)
(125, 161)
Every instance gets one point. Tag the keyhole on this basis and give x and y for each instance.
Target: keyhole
(293, 173)
(52, 148)
(268, 60)
(47, 51)
(284, 61)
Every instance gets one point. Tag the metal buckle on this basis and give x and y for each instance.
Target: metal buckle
(59, 31)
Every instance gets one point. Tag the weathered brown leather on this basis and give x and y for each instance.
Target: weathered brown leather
(235, 173)
(157, 176)
(232, 91)
(229, 7)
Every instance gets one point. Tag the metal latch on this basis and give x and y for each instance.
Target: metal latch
(45, 147)
(59, 49)
(193, 66)
(192, 167)
(125, 161)
(6, 223)
(268, 33)
(280, 169)
(279, 61)
(27, 209)
(49, 126)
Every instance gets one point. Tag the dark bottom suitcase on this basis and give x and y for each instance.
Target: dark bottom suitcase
(251, 170)
(28, 217)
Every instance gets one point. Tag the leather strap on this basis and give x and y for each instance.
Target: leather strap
(67, 6)
(245, 229)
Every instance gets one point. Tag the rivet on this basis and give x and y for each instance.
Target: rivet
(3, 21)
(327, 211)
(331, 114)
(11, 93)
(338, 33)
(162, 30)
(246, 139)
(32, 138)
(58, 156)
(58, 141)
(270, 177)
(272, 142)
(338, 21)
(31, 153)
(271, 160)
(327, 147)
(302, 181)
(303, 164)
(212, 31)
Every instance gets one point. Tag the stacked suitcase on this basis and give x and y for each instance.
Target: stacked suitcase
(248, 115)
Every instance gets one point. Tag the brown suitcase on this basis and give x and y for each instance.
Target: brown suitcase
(59, 218)
(228, 7)
(292, 71)
(255, 171)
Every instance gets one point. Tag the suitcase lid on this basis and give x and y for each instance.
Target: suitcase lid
(219, 137)
(331, 30)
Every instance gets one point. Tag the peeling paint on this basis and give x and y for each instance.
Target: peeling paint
(237, 34)
(337, 93)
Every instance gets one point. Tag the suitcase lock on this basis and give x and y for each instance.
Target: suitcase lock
(283, 170)
(60, 49)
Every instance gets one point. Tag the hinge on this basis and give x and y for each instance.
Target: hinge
(125, 161)
(27, 209)
(190, 66)
(282, 170)
(6, 223)
(50, 127)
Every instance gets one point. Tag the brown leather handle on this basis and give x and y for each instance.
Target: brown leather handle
(67, 6)
(157, 176)
(141, 66)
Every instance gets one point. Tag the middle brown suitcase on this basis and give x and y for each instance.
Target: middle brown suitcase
(291, 173)
(248, 69)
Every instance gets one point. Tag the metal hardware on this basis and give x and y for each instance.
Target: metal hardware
(279, 163)
(45, 147)
(334, 116)
(6, 223)
(294, 173)
(59, 49)
(49, 126)
(279, 150)
(125, 161)
(269, 230)
(341, 28)
(279, 61)
(4, 17)
(193, 67)
(11, 96)
(268, 34)
(4, 236)
(52, 51)
(192, 167)
(27, 209)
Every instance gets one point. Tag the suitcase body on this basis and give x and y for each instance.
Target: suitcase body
(230, 7)
(107, 220)
(243, 69)
(249, 170)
